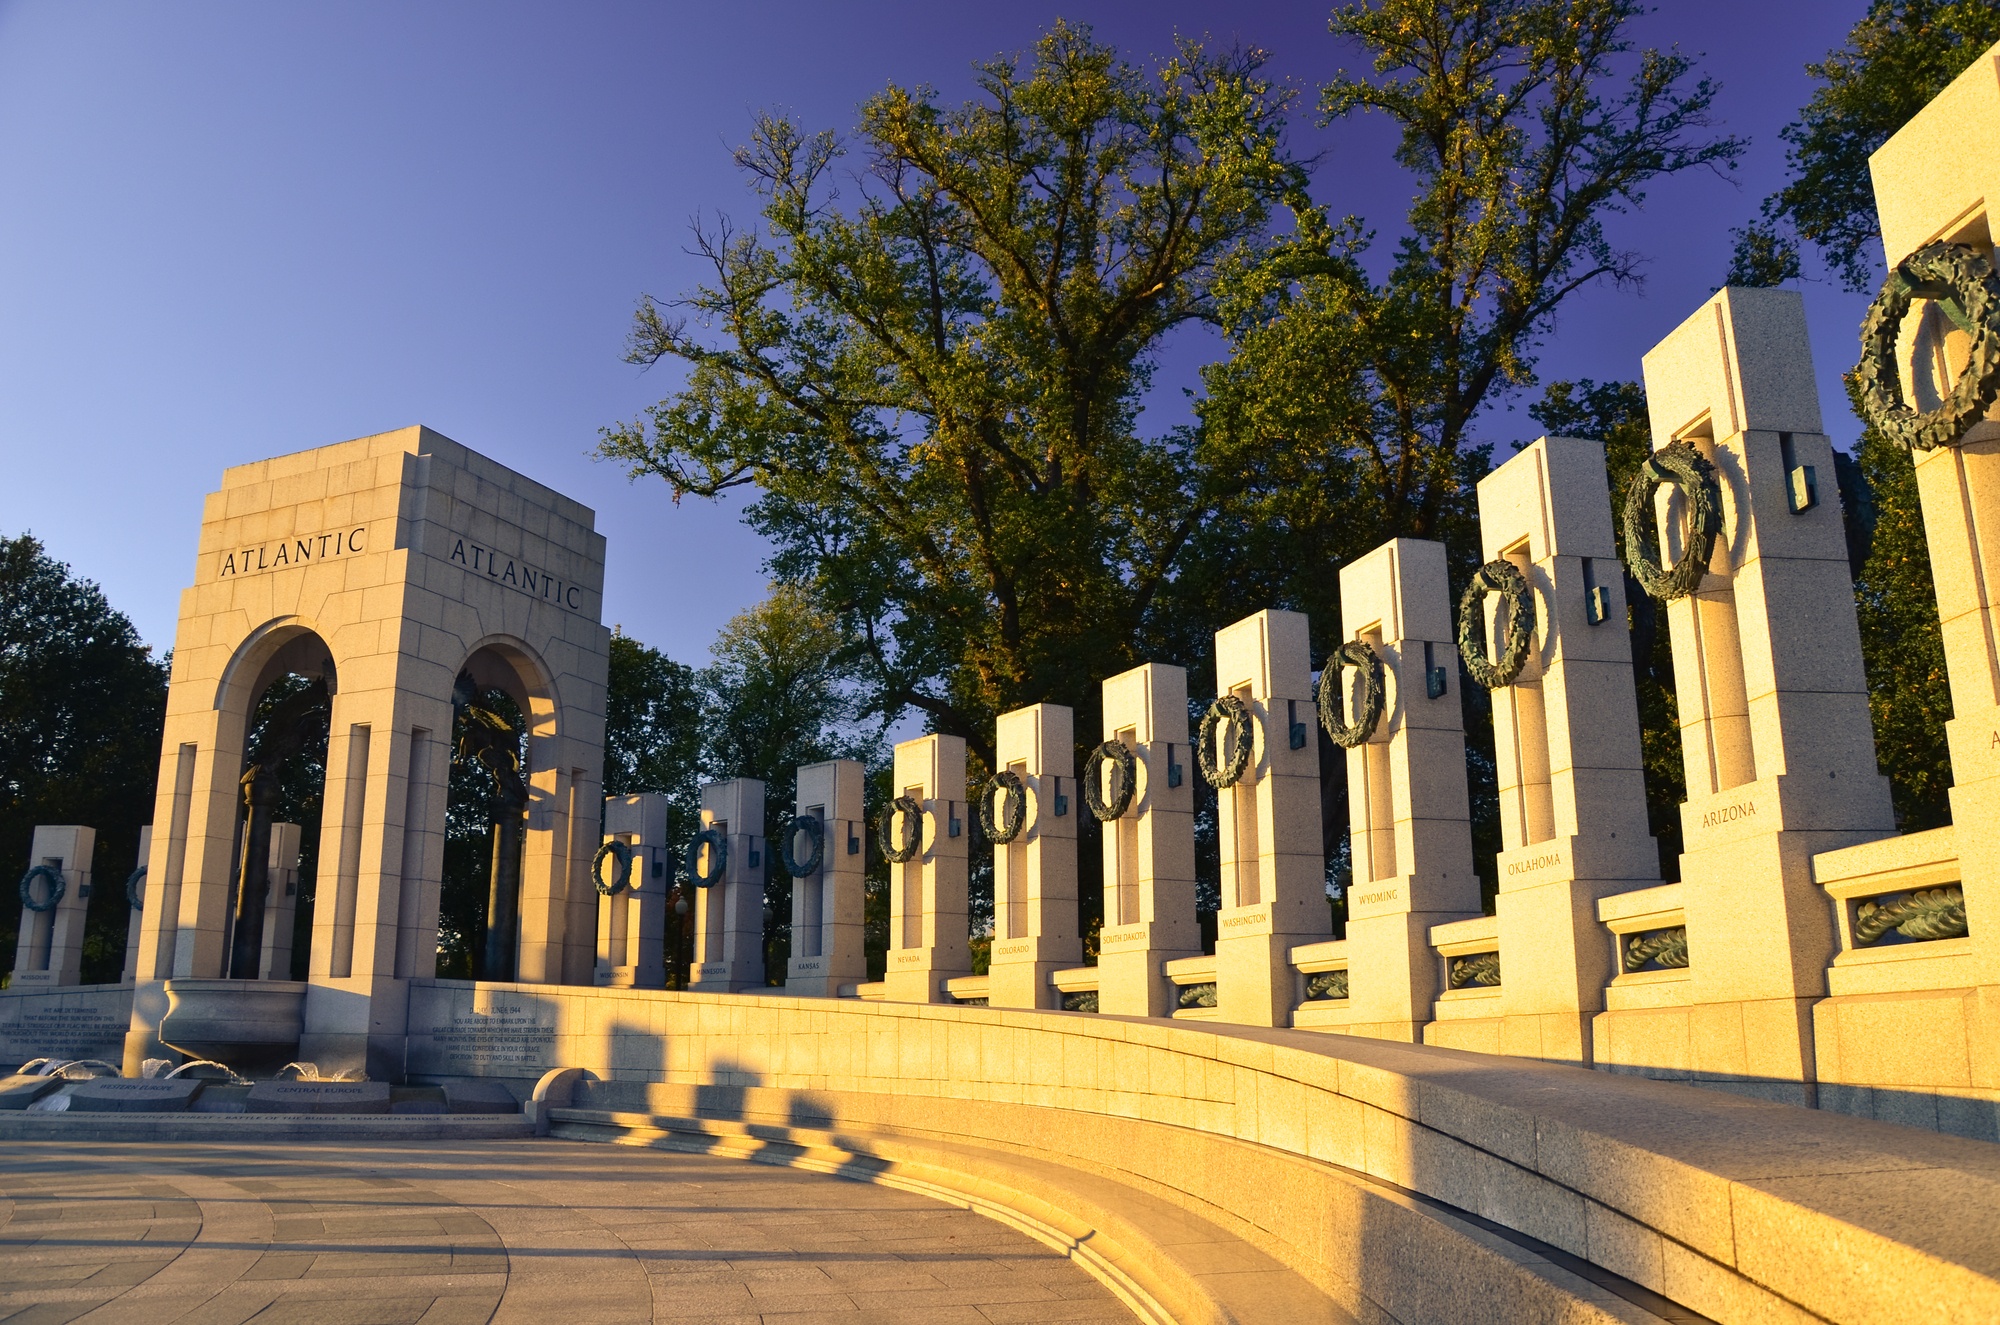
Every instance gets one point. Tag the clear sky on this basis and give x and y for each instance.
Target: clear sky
(235, 230)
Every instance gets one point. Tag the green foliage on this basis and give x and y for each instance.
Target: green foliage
(81, 703)
(1899, 57)
(652, 734)
(1763, 257)
(1350, 400)
(1909, 693)
(1615, 413)
(934, 383)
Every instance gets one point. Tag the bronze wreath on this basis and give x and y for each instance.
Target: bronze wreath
(719, 852)
(1355, 653)
(57, 887)
(135, 889)
(1128, 781)
(1684, 467)
(621, 880)
(1207, 741)
(1963, 284)
(913, 830)
(1012, 816)
(1501, 577)
(811, 827)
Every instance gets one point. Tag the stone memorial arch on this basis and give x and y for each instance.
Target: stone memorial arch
(384, 568)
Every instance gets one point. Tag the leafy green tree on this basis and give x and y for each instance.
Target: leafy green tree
(1897, 58)
(1350, 403)
(1909, 691)
(934, 379)
(1352, 400)
(81, 704)
(652, 728)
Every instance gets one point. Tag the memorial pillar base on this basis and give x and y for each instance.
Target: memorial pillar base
(1393, 976)
(1131, 979)
(1018, 976)
(1254, 981)
(918, 975)
(720, 978)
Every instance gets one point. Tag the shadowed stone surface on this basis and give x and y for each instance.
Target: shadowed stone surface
(116, 1095)
(462, 1233)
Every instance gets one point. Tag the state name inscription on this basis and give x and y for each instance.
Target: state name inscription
(508, 1036)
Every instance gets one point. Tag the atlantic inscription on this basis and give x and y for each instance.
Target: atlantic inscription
(519, 575)
(289, 553)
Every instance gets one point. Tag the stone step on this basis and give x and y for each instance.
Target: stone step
(1165, 1264)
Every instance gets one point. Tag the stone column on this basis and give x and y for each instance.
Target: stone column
(168, 863)
(1775, 729)
(1273, 870)
(558, 899)
(1409, 823)
(49, 951)
(135, 919)
(281, 903)
(927, 893)
(422, 863)
(356, 1006)
(1149, 914)
(827, 936)
(380, 839)
(1034, 876)
(632, 923)
(1566, 743)
(204, 852)
(729, 915)
(1912, 1033)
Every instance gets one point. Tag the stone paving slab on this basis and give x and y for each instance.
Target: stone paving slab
(469, 1231)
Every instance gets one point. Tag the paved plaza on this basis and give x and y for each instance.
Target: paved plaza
(457, 1233)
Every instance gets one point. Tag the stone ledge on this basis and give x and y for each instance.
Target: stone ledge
(224, 1128)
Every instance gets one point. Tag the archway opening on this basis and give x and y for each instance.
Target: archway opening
(485, 821)
(281, 794)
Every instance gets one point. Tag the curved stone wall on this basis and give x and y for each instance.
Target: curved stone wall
(1322, 1149)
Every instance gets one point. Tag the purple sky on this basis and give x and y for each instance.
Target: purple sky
(238, 230)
